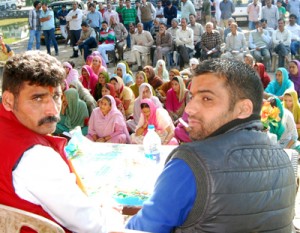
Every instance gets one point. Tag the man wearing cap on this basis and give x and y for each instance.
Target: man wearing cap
(87, 39)
(170, 12)
(61, 15)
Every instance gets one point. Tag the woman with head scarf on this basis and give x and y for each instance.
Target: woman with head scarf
(124, 93)
(103, 78)
(261, 70)
(159, 117)
(163, 89)
(291, 102)
(121, 72)
(177, 98)
(74, 113)
(294, 74)
(279, 85)
(153, 79)
(140, 78)
(88, 79)
(97, 65)
(161, 71)
(72, 74)
(128, 71)
(107, 123)
(285, 130)
(89, 59)
(84, 95)
(145, 92)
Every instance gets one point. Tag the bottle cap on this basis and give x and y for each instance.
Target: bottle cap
(151, 127)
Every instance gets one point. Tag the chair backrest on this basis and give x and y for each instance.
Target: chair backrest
(13, 219)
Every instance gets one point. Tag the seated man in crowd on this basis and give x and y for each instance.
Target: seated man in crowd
(87, 40)
(210, 43)
(259, 41)
(163, 43)
(121, 35)
(294, 28)
(236, 44)
(106, 40)
(282, 42)
(184, 43)
(232, 178)
(36, 175)
(140, 44)
(198, 32)
(228, 30)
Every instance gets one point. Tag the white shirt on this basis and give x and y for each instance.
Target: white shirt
(295, 31)
(75, 24)
(43, 178)
(283, 37)
(185, 37)
(236, 42)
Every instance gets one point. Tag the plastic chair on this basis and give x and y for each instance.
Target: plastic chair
(13, 219)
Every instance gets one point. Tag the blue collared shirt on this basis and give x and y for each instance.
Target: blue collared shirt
(49, 24)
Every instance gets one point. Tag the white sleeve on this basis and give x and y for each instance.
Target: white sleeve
(43, 178)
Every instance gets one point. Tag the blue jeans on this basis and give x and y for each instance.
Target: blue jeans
(128, 37)
(50, 37)
(87, 45)
(147, 25)
(295, 45)
(251, 25)
(37, 35)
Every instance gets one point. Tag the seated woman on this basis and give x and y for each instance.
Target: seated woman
(128, 71)
(72, 74)
(103, 78)
(291, 102)
(177, 98)
(161, 71)
(182, 131)
(159, 117)
(140, 78)
(107, 123)
(294, 74)
(153, 79)
(285, 130)
(84, 95)
(279, 85)
(73, 113)
(89, 59)
(121, 72)
(97, 66)
(88, 79)
(261, 70)
(194, 62)
(145, 91)
(125, 94)
(163, 89)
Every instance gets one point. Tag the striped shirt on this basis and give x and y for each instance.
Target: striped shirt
(107, 36)
(129, 15)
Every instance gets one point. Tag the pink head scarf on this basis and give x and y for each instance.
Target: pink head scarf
(152, 118)
(93, 79)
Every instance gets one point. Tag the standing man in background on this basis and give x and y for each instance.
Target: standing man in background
(74, 18)
(271, 14)
(34, 26)
(48, 27)
(227, 9)
(94, 19)
(187, 8)
(253, 10)
(61, 15)
(146, 14)
(129, 15)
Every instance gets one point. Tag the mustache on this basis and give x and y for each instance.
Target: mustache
(48, 119)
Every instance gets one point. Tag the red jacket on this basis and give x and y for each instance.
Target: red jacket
(15, 139)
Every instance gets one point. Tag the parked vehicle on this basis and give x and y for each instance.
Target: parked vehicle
(240, 14)
(56, 6)
(11, 4)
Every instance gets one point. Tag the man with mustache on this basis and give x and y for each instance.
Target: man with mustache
(232, 177)
(35, 174)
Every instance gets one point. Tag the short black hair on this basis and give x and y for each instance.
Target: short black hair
(168, 3)
(44, 4)
(293, 16)
(84, 24)
(263, 20)
(35, 3)
(242, 80)
(92, 5)
(33, 67)
(104, 22)
(63, 6)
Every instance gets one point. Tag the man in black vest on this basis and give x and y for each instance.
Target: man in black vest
(232, 177)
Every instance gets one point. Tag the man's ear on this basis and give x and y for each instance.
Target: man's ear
(8, 100)
(244, 108)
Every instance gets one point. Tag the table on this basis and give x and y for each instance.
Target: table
(106, 169)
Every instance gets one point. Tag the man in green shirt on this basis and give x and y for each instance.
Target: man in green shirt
(129, 16)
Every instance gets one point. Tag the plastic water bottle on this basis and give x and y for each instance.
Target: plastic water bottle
(152, 144)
